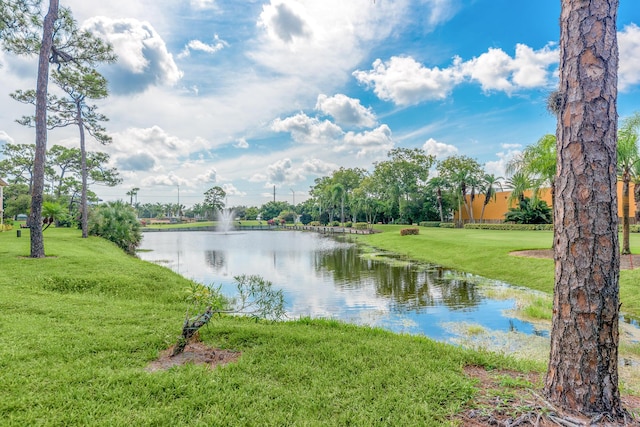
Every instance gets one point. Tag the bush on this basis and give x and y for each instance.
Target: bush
(509, 226)
(348, 224)
(315, 223)
(530, 211)
(409, 231)
(447, 225)
(361, 225)
(118, 223)
(335, 223)
(429, 224)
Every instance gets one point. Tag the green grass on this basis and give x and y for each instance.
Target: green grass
(78, 328)
(486, 253)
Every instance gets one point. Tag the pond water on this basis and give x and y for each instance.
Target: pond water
(322, 276)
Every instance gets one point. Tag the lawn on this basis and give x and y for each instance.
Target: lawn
(78, 329)
(487, 253)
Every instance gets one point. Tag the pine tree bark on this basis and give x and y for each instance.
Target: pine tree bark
(583, 368)
(37, 190)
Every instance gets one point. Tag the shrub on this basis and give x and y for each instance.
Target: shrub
(429, 224)
(335, 223)
(116, 222)
(348, 224)
(315, 223)
(524, 227)
(530, 211)
(409, 231)
(361, 225)
(447, 225)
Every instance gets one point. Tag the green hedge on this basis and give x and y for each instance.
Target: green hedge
(429, 224)
(506, 226)
(361, 225)
(447, 225)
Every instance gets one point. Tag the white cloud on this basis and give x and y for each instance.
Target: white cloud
(170, 180)
(368, 142)
(143, 58)
(280, 173)
(405, 81)
(241, 143)
(318, 167)
(307, 129)
(231, 190)
(5, 138)
(284, 21)
(203, 4)
(197, 45)
(210, 176)
(498, 167)
(441, 10)
(629, 45)
(135, 147)
(346, 111)
(439, 149)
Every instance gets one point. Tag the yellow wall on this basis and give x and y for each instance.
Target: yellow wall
(495, 210)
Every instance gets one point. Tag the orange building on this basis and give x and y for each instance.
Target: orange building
(495, 210)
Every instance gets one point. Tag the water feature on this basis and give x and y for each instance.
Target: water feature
(325, 277)
(225, 220)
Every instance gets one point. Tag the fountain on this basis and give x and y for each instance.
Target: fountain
(225, 221)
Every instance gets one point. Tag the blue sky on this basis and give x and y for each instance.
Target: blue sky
(249, 95)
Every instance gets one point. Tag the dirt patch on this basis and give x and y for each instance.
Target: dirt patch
(627, 262)
(508, 398)
(196, 353)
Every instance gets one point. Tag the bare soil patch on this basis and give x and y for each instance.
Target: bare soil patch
(498, 404)
(627, 262)
(196, 353)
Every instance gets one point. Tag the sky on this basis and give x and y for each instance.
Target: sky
(253, 96)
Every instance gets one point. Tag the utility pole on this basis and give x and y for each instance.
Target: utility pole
(294, 197)
(274, 194)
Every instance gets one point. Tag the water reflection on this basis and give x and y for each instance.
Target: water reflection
(324, 277)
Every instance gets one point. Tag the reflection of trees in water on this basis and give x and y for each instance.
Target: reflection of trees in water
(215, 259)
(408, 286)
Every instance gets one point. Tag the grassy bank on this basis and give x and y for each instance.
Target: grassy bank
(486, 253)
(78, 328)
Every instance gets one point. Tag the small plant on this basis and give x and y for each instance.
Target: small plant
(117, 222)
(409, 231)
(256, 298)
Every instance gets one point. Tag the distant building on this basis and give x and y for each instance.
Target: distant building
(495, 209)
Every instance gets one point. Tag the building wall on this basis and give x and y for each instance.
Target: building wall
(495, 210)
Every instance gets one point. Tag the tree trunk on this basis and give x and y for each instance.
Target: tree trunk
(439, 194)
(37, 189)
(83, 168)
(583, 367)
(626, 250)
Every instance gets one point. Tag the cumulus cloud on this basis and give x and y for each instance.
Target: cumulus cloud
(203, 4)
(211, 175)
(629, 45)
(439, 149)
(170, 179)
(498, 167)
(318, 167)
(199, 46)
(139, 161)
(158, 147)
(346, 111)
(143, 58)
(281, 172)
(231, 190)
(308, 130)
(368, 142)
(284, 21)
(404, 81)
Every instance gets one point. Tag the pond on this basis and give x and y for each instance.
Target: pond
(329, 277)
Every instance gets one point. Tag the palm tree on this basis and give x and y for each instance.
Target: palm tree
(519, 182)
(438, 183)
(628, 158)
(538, 161)
(489, 182)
